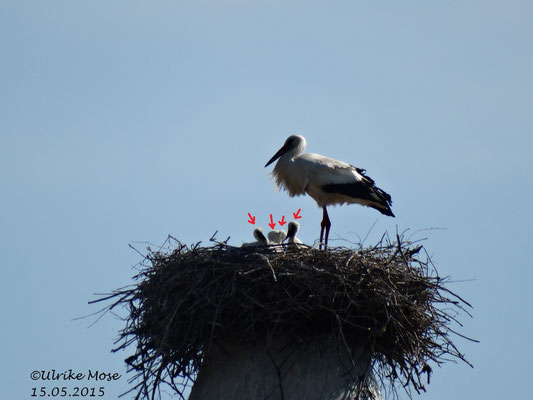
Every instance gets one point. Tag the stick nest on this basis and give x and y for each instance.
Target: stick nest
(386, 298)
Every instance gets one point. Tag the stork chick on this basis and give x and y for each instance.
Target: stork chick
(260, 238)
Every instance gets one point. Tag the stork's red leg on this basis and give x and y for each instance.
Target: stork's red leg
(325, 224)
(328, 226)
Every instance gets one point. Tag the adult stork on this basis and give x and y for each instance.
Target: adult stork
(326, 180)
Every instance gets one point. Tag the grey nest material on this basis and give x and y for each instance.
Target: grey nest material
(387, 298)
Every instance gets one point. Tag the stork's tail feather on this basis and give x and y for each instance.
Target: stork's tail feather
(386, 202)
(386, 211)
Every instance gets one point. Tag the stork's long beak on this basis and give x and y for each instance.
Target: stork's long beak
(280, 152)
(291, 231)
(258, 234)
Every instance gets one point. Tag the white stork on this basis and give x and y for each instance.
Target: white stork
(276, 237)
(260, 238)
(292, 240)
(326, 180)
(275, 240)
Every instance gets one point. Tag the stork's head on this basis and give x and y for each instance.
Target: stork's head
(259, 236)
(277, 237)
(293, 146)
(292, 229)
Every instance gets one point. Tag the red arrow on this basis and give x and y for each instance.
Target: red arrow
(282, 222)
(272, 224)
(252, 219)
(297, 214)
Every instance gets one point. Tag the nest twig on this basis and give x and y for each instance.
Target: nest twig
(384, 297)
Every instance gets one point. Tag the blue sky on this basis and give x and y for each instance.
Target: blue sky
(126, 121)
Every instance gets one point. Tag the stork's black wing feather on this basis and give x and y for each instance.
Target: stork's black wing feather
(364, 189)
